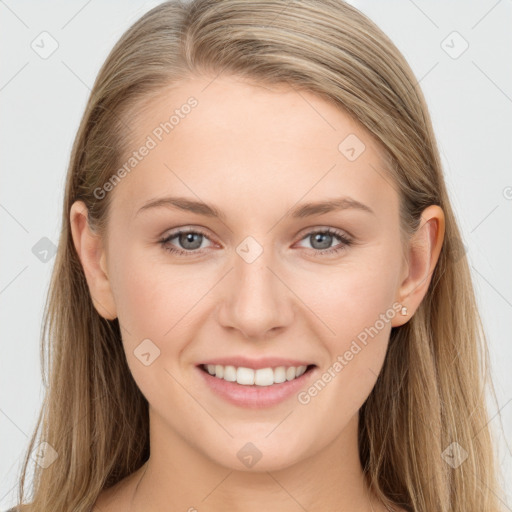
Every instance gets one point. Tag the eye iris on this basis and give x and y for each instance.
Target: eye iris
(325, 240)
(186, 238)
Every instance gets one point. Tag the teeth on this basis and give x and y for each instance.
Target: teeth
(264, 377)
(301, 370)
(260, 377)
(279, 374)
(245, 376)
(230, 373)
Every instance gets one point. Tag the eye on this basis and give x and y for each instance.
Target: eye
(322, 239)
(192, 240)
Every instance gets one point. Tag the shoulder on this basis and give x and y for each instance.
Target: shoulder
(26, 507)
(118, 497)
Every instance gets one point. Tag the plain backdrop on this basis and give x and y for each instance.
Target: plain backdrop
(459, 51)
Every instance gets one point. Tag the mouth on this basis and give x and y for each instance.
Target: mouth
(261, 377)
(256, 382)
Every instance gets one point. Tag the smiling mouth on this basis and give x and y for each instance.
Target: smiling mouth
(260, 377)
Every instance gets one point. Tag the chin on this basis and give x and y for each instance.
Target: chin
(255, 453)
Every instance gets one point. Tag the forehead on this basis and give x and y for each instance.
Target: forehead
(220, 138)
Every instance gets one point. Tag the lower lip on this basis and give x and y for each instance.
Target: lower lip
(255, 396)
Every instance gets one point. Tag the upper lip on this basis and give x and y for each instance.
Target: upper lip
(255, 364)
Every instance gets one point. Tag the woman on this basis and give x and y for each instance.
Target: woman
(259, 298)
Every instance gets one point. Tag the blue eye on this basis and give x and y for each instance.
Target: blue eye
(187, 238)
(325, 237)
(192, 240)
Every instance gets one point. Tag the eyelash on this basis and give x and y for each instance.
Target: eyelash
(346, 242)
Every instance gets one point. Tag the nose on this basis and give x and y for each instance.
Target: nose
(255, 299)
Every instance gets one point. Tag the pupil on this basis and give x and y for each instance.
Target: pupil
(188, 238)
(327, 239)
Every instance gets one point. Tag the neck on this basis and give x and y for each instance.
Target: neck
(178, 477)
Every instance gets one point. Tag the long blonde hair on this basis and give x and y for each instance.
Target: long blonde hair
(430, 392)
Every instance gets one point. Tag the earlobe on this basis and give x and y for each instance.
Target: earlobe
(89, 248)
(424, 249)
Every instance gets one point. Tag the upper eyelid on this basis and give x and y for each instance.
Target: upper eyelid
(180, 231)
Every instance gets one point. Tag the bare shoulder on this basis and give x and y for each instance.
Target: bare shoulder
(113, 499)
(117, 498)
(26, 507)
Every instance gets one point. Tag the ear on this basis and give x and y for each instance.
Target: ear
(423, 254)
(89, 247)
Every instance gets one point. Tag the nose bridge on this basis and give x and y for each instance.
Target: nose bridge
(257, 301)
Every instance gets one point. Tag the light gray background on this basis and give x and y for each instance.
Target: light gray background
(42, 100)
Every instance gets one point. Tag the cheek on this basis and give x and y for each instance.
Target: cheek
(355, 305)
(350, 297)
(155, 305)
(158, 301)
(149, 293)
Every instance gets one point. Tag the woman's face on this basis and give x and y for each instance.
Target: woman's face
(257, 283)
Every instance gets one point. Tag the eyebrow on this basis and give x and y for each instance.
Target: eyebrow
(301, 211)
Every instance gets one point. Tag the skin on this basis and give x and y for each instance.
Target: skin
(254, 153)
